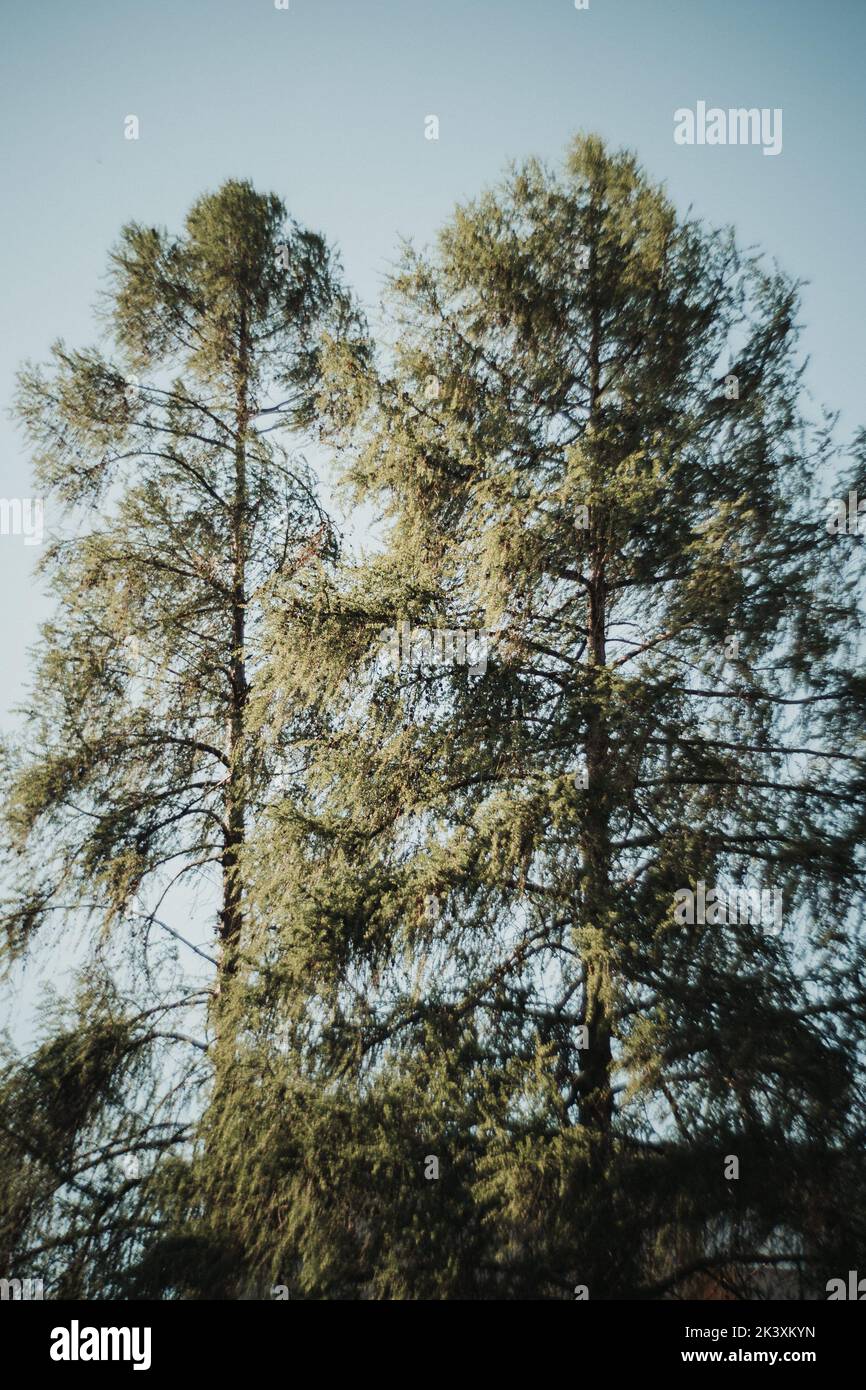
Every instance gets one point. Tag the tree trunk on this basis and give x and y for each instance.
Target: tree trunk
(231, 916)
(597, 1106)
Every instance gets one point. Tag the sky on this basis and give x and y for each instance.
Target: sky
(325, 103)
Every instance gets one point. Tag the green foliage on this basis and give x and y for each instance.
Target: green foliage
(177, 496)
(446, 927)
(441, 896)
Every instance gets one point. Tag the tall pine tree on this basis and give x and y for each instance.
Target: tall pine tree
(174, 463)
(526, 1067)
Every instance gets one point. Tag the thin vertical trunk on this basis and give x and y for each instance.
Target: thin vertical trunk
(597, 1090)
(597, 1108)
(231, 919)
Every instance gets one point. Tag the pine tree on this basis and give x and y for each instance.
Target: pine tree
(476, 1039)
(587, 438)
(173, 461)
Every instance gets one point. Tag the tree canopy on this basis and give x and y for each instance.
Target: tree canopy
(605, 661)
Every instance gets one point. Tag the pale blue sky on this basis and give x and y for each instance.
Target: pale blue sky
(325, 105)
